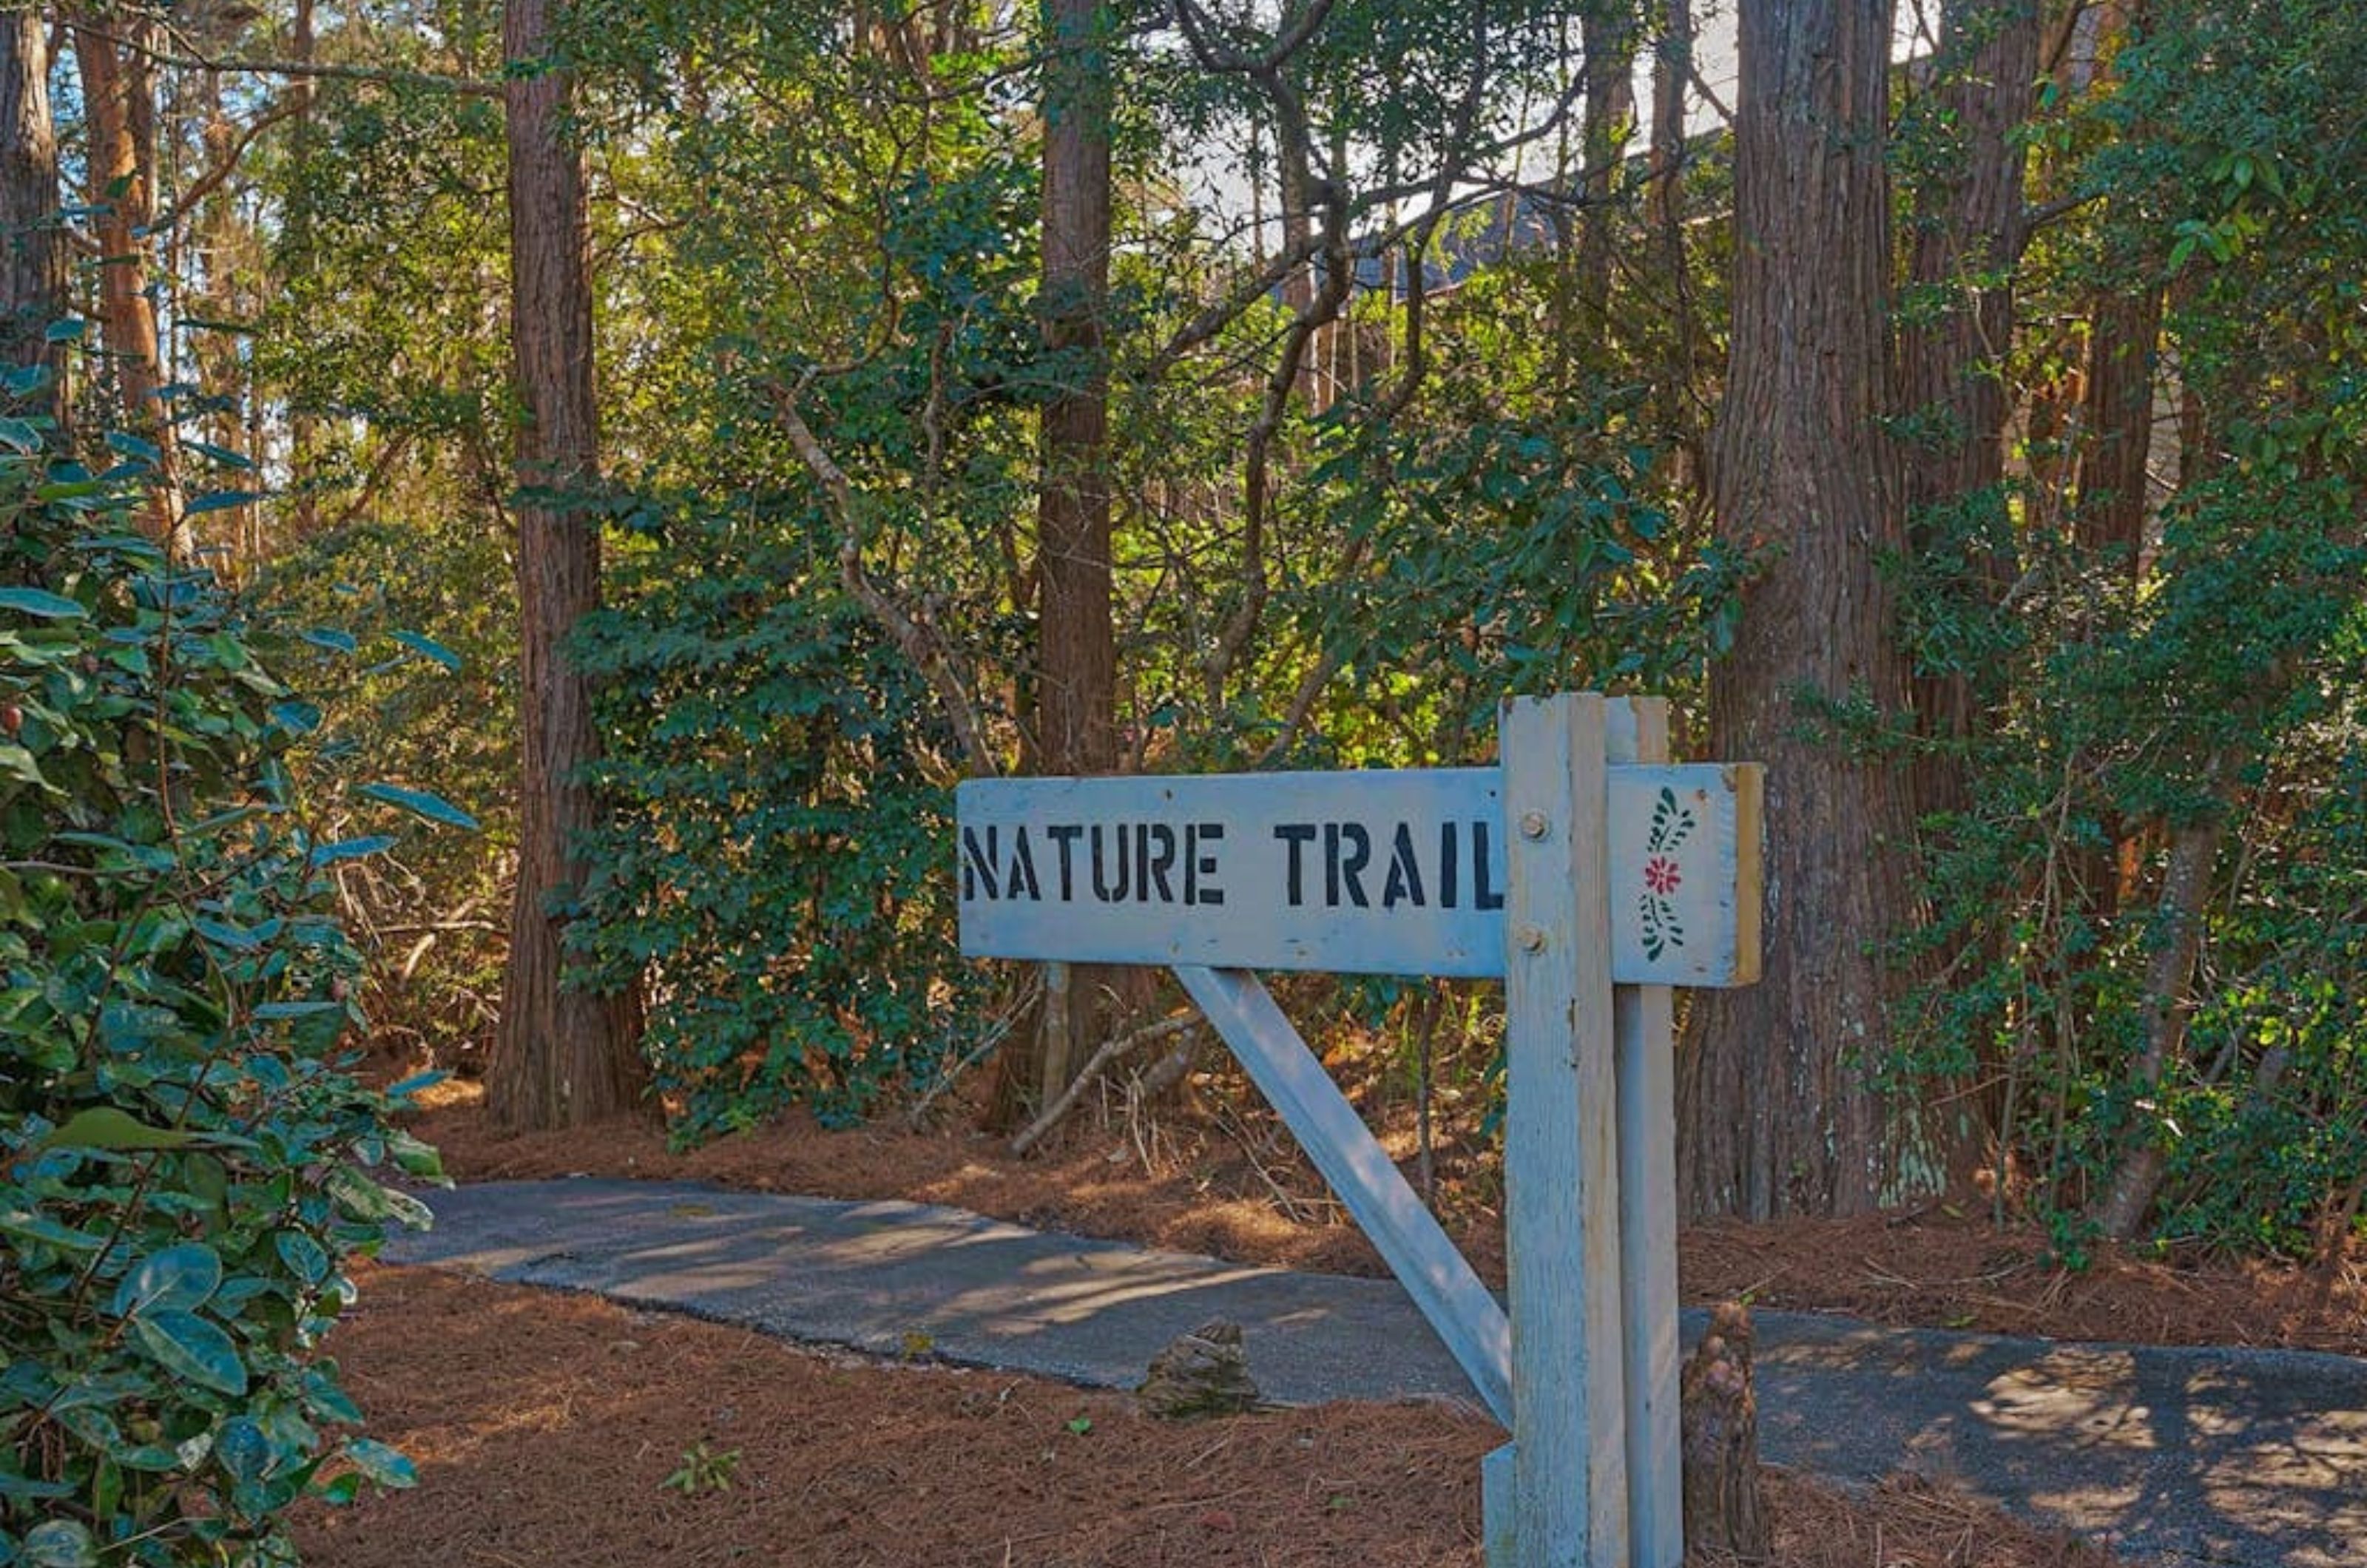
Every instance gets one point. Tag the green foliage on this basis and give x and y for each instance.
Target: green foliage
(779, 861)
(703, 1471)
(185, 1166)
(2206, 699)
(428, 693)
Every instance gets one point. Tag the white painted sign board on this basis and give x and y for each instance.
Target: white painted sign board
(1391, 873)
(1591, 875)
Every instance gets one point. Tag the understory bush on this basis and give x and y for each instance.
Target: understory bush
(186, 1163)
(779, 855)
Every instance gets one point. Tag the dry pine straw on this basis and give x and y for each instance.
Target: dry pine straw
(545, 1427)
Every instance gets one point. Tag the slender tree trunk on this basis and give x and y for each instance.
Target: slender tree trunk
(32, 238)
(1606, 30)
(1077, 681)
(562, 1057)
(1777, 1108)
(2165, 1008)
(302, 426)
(1664, 209)
(1968, 238)
(119, 110)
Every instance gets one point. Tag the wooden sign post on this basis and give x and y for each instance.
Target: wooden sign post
(1591, 875)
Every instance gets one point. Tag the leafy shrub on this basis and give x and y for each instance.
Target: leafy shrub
(778, 861)
(423, 683)
(183, 1165)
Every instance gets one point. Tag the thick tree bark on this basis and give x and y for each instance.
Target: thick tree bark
(1077, 670)
(120, 109)
(1968, 238)
(32, 240)
(2117, 422)
(1778, 1111)
(562, 1056)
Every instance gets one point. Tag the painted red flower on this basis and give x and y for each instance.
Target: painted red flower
(1660, 875)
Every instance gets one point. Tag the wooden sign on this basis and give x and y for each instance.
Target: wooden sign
(1591, 875)
(1394, 872)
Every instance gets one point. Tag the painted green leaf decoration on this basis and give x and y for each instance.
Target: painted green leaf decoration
(420, 802)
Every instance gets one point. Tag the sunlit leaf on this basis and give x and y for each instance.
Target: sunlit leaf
(420, 802)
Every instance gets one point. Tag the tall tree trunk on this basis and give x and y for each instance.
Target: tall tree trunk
(562, 1056)
(119, 110)
(2117, 419)
(1664, 215)
(1968, 238)
(1777, 1107)
(1606, 31)
(1077, 680)
(302, 428)
(32, 238)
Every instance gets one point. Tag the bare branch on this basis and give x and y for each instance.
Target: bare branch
(205, 184)
(919, 642)
(194, 59)
(1029, 1136)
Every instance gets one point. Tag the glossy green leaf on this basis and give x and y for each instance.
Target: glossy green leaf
(221, 455)
(388, 1467)
(60, 1543)
(428, 647)
(180, 1276)
(190, 1346)
(242, 1451)
(420, 802)
(31, 1226)
(105, 1127)
(352, 848)
(40, 601)
(306, 1258)
(135, 447)
(219, 500)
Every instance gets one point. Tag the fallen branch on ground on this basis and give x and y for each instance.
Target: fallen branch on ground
(1111, 1050)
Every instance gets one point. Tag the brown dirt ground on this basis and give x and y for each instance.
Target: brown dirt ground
(545, 1425)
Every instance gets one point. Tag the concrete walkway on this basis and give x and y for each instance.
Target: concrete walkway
(2189, 1457)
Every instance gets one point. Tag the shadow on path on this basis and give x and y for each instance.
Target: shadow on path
(2252, 1458)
